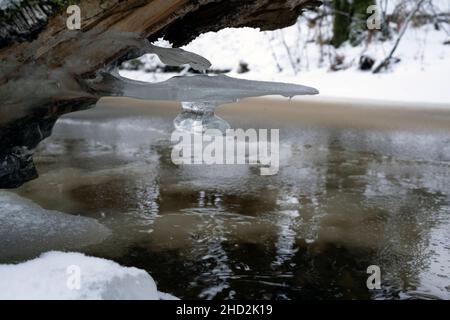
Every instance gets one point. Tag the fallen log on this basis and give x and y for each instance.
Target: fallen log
(46, 69)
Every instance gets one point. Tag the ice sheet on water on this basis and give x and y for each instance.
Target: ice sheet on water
(198, 88)
(47, 277)
(26, 226)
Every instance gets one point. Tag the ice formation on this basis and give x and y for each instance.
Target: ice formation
(199, 94)
(52, 277)
(178, 57)
(198, 88)
(27, 229)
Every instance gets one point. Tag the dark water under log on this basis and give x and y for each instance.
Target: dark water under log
(357, 186)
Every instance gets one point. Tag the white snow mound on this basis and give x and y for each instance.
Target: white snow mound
(75, 276)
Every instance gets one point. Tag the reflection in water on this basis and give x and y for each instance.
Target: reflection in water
(286, 235)
(344, 199)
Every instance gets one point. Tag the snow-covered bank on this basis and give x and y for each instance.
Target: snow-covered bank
(27, 230)
(415, 87)
(52, 276)
(422, 74)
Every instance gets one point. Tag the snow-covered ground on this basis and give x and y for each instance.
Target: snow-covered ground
(291, 55)
(75, 276)
(422, 75)
(27, 230)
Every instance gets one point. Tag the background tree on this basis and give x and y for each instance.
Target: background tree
(349, 21)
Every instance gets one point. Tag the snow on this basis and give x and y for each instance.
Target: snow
(27, 229)
(421, 76)
(439, 5)
(415, 86)
(5, 4)
(54, 276)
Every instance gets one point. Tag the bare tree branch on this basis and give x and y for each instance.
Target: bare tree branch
(387, 60)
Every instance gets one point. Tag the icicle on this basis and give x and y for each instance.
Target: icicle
(197, 117)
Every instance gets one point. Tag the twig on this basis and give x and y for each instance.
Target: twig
(273, 53)
(387, 60)
(288, 52)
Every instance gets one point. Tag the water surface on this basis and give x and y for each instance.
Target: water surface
(357, 186)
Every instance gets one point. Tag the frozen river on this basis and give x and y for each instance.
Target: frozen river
(357, 186)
